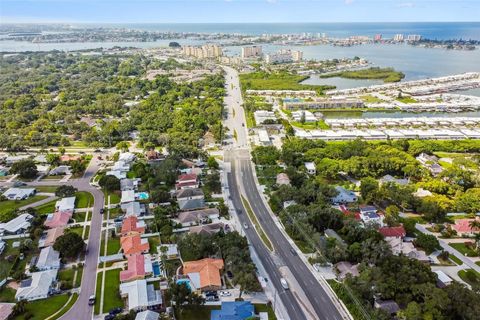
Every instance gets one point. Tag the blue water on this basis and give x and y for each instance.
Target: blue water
(186, 281)
(156, 269)
(142, 196)
(431, 30)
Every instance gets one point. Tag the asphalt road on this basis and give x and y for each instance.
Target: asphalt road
(238, 154)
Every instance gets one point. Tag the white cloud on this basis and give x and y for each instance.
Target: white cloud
(347, 2)
(406, 5)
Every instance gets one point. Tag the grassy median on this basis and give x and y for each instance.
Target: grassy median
(257, 225)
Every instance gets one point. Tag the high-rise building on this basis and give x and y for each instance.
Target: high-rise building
(251, 52)
(297, 55)
(414, 37)
(205, 51)
(284, 56)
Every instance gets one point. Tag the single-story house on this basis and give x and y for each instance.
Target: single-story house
(234, 310)
(65, 204)
(42, 169)
(131, 226)
(147, 315)
(133, 208)
(60, 171)
(17, 225)
(57, 219)
(396, 232)
(127, 157)
(138, 267)
(345, 268)
(190, 218)
(140, 295)
(344, 196)
(204, 274)
(116, 173)
(41, 158)
(190, 199)
(36, 287)
(389, 306)
(48, 259)
(442, 279)
(121, 166)
(171, 250)
(207, 229)
(187, 181)
(48, 238)
(19, 193)
(283, 179)
(463, 228)
(128, 196)
(422, 193)
(129, 184)
(134, 245)
(12, 159)
(407, 248)
(3, 171)
(69, 157)
(369, 215)
(388, 178)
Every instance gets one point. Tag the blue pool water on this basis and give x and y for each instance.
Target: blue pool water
(142, 195)
(156, 269)
(186, 281)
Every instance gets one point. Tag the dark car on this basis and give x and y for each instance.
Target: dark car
(102, 211)
(210, 293)
(211, 298)
(293, 251)
(115, 311)
(109, 317)
(229, 274)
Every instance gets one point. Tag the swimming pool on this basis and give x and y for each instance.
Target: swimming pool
(156, 269)
(186, 281)
(142, 196)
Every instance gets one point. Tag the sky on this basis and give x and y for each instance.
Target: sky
(248, 11)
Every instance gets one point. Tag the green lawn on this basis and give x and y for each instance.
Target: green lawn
(470, 276)
(195, 313)
(371, 99)
(98, 291)
(277, 81)
(265, 308)
(455, 259)
(84, 199)
(46, 208)
(42, 309)
(112, 297)
(80, 216)
(113, 245)
(477, 263)
(78, 280)
(407, 100)
(463, 249)
(66, 275)
(153, 242)
(385, 74)
(77, 230)
(11, 205)
(50, 189)
(7, 294)
(115, 212)
(67, 307)
(114, 197)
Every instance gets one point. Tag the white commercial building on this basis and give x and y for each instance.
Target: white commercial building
(262, 115)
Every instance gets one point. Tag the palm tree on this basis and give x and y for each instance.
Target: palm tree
(475, 225)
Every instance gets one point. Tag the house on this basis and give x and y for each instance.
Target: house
(140, 295)
(153, 155)
(422, 193)
(17, 225)
(134, 244)
(234, 310)
(390, 179)
(65, 204)
(60, 171)
(121, 166)
(131, 226)
(5, 310)
(190, 218)
(369, 215)
(171, 250)
(127, 157)
(344, 196)
(311, 169)
(425, 159)
(463, 228)
(48, 238)
(204, 274)
(389, 306)
(48, 259)
(41, 158)
(190, 199)
(208, 140)
(208, 229)
(147, 315)
(138, 267)
(283, 179)
(42, 170)
(129, 184)
(3, 171)
(19, 193)
(345, 268)
(435, 169)
(128, 196)
(187, 181)
(36, 287)
(289, 203)
(57, 219)
(12, 159)
(442, 279)
(395, 232)
(69, 157)
(407, 249)
(133, 209)
(117, 173)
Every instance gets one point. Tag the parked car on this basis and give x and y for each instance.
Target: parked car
(211, 298)
(115, 311)
(229, 274)
(225, 294)
(109, 317)
(293, 251)
(91, 300)
(284, 283)
(102, 211)
(210, 293)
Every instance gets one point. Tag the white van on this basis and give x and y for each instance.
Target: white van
(284, 283)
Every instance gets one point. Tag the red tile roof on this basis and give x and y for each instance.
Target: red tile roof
(59, 219)
(208, 269)
(130, 226)
(134, 245)
(135, 269)
(397, 232)
(187, 177)
(463, 226)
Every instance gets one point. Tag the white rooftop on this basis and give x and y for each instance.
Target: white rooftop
(48, 259)
(38, 287)
(65, 204)
(22, 222)
(128, 196)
